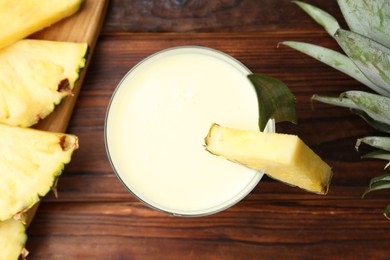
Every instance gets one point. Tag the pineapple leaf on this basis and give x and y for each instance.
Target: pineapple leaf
(379, 185)
(335, 60)
(336, 101)
(376, 106)
(378, 154)
(386, 212)
(379, 142)
(384, 177)
(323, 18)
(374, 123)
(369, 18)
(372, 58)
(275, 100)
(355, 108)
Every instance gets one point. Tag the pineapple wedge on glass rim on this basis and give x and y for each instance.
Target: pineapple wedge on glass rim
(12, 239)
(283, 157)
(21, 18)
(35, 76)
(30, 161)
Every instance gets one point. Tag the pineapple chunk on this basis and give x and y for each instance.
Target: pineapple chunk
(20, 18)
(284, 157)
(30, 162)
(12, 239)
(35, 76)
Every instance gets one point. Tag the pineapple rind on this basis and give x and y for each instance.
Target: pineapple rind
(12, 239)
(31, 73)
(19, 19)
(31, 161)
(284, 157)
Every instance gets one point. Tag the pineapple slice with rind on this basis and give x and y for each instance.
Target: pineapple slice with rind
(30, 162)
(283, 157)
(20, 18)
(35, 76)
(12, 239)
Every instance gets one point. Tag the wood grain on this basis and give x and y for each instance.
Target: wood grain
(96, 218)
(211, 16)
(250, 230)
(84, 26)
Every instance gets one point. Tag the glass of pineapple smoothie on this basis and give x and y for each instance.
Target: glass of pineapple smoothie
(156, 123)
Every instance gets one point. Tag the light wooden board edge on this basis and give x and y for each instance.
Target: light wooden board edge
(84, 26)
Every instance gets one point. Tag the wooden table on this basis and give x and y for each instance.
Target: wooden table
(96, 218)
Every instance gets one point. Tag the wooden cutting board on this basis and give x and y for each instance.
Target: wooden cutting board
(84, 26)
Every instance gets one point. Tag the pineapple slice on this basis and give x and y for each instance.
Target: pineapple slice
(12, 239)
(284, 157)
(30, 162)
(20, 18)
(35, 76)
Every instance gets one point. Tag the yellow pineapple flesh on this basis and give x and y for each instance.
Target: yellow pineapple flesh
(35, 76)
(30, 162)
(12, 239)
(283, 157)
(20, 18)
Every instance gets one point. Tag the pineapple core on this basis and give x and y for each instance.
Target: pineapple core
(283, 157)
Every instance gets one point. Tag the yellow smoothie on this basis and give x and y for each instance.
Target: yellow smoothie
(158, 118)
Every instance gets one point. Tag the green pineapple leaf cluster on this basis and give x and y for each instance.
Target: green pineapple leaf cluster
(366, 58)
